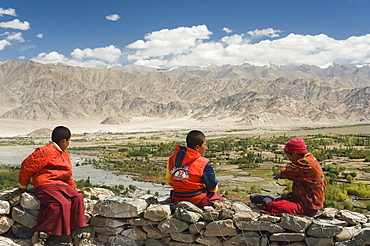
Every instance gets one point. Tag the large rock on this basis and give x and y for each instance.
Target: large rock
(221, 228)
(287, 237)
(245, 216)
(156, 212)
(363, 237)
(5, 224)
(89, 205)
(13, 198)
(334, 222)
(135, 234)
(183, 237)
(259, 226)
(198, 227)
(214, 241)
(100, 221)
(189, 206)
(186, 215)
(353, 218)
(153, 242)
(314, 241)
(248, 238)
(330, 212)
(348, 233)
(294, 222)
(6, 194)
(109, 231)
(269, 218)
(23, 217)
(226, 213)
(4, 207)
(119, 207)
(172, 225)
(322, 229)
(346, 243)
(29, 201)
(140, 222)
(240, 207)
(22, 231)
(118, 240)
(174, 243)
(154, 232)
(211, 214)
(4, 241)
(96, 193)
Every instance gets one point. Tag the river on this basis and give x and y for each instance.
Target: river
(14, 155)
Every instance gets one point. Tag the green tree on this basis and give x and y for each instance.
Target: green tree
(348, 205)
(132, 187)
(88, 182)
(349, 178)
(255, 189)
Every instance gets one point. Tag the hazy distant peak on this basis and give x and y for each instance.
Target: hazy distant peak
(330, 64)
(363, 66)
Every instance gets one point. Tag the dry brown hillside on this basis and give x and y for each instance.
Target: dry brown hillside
(249, 95)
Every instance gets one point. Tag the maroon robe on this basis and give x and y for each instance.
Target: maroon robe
(61, 209)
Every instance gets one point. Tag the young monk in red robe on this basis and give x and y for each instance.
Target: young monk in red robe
(62, 208)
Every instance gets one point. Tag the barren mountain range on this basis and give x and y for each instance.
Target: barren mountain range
(250, 95)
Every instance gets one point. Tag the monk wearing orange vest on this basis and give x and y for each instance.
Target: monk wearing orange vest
(190, 174)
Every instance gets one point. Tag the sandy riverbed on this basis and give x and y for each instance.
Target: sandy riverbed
(11, 128)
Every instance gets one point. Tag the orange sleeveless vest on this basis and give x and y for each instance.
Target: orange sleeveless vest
(186, 168)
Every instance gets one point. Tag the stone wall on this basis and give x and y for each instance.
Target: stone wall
(117, 220)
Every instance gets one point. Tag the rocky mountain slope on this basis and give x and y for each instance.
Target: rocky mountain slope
(249, 95)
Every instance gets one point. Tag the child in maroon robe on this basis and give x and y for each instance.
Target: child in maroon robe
(62, 208)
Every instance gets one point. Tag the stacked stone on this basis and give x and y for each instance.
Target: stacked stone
(115, 220)
(234, 223)
(130, 221)
(18, 214)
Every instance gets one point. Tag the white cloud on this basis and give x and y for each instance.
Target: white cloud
(4, 43)
(104, 56)
(16, 24)
(169, 42)
(227, 30)
(191, 46)
(109, 54)
(52, 57)
(22, 57)
(15, 36)
(269, 32)
(40, 35)
(9, 11)
(167, 49)
(113, 17)
(234, 39)
(55, 58)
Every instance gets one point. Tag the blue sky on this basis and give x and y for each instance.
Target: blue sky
(165, 34)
